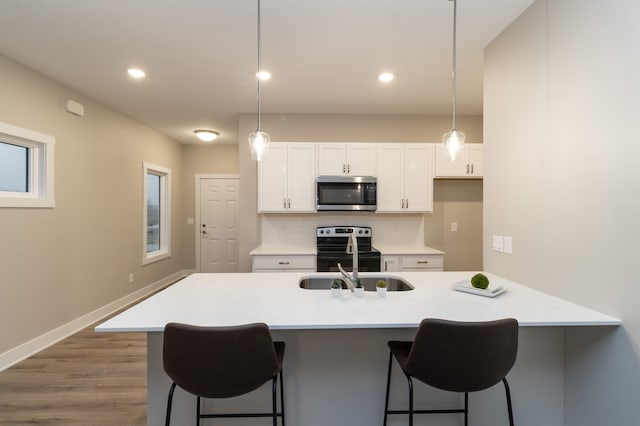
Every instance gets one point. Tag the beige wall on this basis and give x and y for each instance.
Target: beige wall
(58, 264)
(369, 128)
(198, 159)
(562, 177)
(459, 201)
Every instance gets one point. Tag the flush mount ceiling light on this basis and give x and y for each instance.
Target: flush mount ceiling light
(259, 140)
(136, 73)
(453, 140)
(386, 77)
(206, 135)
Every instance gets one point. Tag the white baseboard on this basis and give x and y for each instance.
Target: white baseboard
(25, 350)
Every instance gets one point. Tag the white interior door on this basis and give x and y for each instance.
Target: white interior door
(218, 224)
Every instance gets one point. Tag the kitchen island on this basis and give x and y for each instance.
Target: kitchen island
(336, 357)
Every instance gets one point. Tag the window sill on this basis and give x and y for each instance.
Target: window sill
(155, 257)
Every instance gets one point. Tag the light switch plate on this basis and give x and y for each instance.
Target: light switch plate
(508, 245)
(498, 243)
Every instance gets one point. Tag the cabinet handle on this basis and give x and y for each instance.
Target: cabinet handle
(348, 168)
(422, 262)
(403, 203)
(284, 203)
(467, 169)
(283, 263)
(344, 168)
(386, 268)
(407, 203)
(288, 203)
(472, 169)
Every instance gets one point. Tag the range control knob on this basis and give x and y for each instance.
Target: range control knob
(360, 231)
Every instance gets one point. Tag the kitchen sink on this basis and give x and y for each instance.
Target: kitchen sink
(369, 282)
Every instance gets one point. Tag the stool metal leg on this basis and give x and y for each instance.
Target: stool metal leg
(274, 406)
(282, 396)
(386, 399)
(198, 411)
(167, 420)
(509, 408)
(410, 400)
(466, 408)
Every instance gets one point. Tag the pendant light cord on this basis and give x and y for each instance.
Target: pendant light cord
(259, 68)
(453, 96)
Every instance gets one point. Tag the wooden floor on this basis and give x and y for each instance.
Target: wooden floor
(87, 379)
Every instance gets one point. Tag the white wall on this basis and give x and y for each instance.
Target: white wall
(562, 176)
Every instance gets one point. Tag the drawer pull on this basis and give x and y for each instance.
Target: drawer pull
(422, 261)
(283, 263)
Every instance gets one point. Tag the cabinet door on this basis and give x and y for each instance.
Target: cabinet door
(418, 177)
(448, 168)
(475, 159)
(390, 264)
(301, 177)
(331, 159)
(390, 178)
(272, 179)
(361, 159)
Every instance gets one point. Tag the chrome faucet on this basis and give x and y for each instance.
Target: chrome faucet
(352, 248)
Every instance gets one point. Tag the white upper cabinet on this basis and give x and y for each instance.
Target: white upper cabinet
(286, 178)
(468, 162)
(351, 159)
(405, 178)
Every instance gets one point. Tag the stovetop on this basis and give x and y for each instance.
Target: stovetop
(334, 239)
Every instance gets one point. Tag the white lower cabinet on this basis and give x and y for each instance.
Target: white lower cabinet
(413, 262)
(288, 263)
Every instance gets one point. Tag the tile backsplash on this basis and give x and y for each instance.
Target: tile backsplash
(390, 229)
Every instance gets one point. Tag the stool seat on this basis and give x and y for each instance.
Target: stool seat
(222, 362)
(456, 356)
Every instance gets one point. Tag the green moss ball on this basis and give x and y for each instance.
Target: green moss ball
(480, 281)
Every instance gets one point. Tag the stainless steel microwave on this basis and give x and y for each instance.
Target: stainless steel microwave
(351, 193)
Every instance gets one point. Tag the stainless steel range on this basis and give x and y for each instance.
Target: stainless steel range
(332, 241)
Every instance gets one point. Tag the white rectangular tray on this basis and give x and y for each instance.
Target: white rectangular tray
(491, 291)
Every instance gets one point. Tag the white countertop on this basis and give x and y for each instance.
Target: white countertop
(385, 249)
(399, 250)
(276, 299)
(284, 250)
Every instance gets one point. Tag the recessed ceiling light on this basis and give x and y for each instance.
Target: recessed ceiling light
(136, 73)
(385, 77)
(206, 135)
(263, 75)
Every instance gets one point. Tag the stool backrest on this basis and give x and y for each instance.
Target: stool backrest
(219, 362)
(463, 356)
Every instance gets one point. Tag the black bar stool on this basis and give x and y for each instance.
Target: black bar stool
(458, 357)
(222, 362)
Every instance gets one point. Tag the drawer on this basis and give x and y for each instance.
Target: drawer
(284, 262)
(422, 262)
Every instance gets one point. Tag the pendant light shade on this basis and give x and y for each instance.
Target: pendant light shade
(259, 144)
(453, 140)
(259, 140)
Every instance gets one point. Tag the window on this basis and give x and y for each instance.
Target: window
(156, 217)
(26, 168)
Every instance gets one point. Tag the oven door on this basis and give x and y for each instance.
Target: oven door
(328, 262)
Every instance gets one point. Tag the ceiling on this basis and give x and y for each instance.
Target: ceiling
(200, 56)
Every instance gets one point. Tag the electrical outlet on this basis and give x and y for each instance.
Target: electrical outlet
(131, 277)
(454, 226)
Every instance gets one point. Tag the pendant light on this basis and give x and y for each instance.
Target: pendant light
(453, 140)
(259, 140)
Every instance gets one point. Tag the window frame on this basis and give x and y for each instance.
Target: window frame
(40, 157)
(164, 250)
